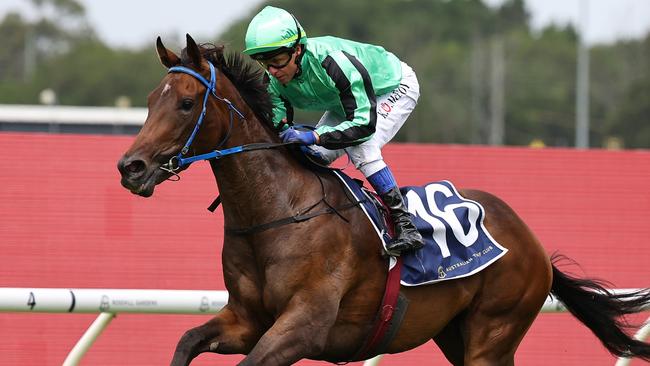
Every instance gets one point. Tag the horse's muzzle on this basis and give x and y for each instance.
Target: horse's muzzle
(137, 176)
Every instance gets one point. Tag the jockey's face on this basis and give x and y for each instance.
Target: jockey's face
(282, 66)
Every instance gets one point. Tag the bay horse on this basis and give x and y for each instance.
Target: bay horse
(312, 288)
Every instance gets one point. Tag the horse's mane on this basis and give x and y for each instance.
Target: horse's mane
(247, 78)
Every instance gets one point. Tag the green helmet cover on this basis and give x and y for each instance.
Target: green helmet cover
(272, 29)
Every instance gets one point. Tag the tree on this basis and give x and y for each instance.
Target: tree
(631, 120)
(58, 25)
(446, 42)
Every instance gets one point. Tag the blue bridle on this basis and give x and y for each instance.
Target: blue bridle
(178, 161)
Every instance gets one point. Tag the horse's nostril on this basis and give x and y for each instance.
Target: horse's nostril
(131, 168)
(135, 166)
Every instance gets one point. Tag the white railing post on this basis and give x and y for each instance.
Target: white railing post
(373, 361)
(87, 340)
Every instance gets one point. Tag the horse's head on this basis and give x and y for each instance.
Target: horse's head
(177, 107)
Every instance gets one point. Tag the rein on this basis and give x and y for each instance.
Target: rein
(176, 162)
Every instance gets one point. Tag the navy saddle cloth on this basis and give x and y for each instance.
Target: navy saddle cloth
(457, 244)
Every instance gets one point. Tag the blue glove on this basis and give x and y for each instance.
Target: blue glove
(301, 137)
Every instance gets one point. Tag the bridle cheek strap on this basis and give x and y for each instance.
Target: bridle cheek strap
(180, 160)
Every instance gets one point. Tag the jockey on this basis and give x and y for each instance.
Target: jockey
(366, 92)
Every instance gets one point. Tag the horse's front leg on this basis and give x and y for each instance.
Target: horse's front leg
(300, 332)
(226, 333)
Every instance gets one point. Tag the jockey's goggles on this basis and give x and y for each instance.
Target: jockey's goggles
(278, 61)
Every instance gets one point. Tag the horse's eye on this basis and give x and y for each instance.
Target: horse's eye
(187, 104)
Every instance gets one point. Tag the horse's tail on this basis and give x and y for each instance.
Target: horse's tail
(602, 311)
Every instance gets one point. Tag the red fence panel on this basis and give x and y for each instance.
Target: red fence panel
(65, 221)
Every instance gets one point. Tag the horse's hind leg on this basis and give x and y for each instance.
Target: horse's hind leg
(512, 292)
(493, 339)
(461, 349)
(494, 325)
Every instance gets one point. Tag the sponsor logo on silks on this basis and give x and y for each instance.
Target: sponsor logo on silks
(387, 106)
(288, 33)
(104, 304)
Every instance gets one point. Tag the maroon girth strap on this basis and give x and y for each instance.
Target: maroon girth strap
(386, 312)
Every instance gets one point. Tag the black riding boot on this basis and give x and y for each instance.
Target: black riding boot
(407, 238)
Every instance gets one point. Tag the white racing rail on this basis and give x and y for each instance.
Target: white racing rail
(109, 302)
(72, 115)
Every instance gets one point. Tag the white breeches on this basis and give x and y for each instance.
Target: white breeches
(392, 111)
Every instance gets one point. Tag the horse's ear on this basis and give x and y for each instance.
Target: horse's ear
(193, 51)
(167, 57)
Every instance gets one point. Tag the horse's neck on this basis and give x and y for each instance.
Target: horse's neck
(259, 186)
